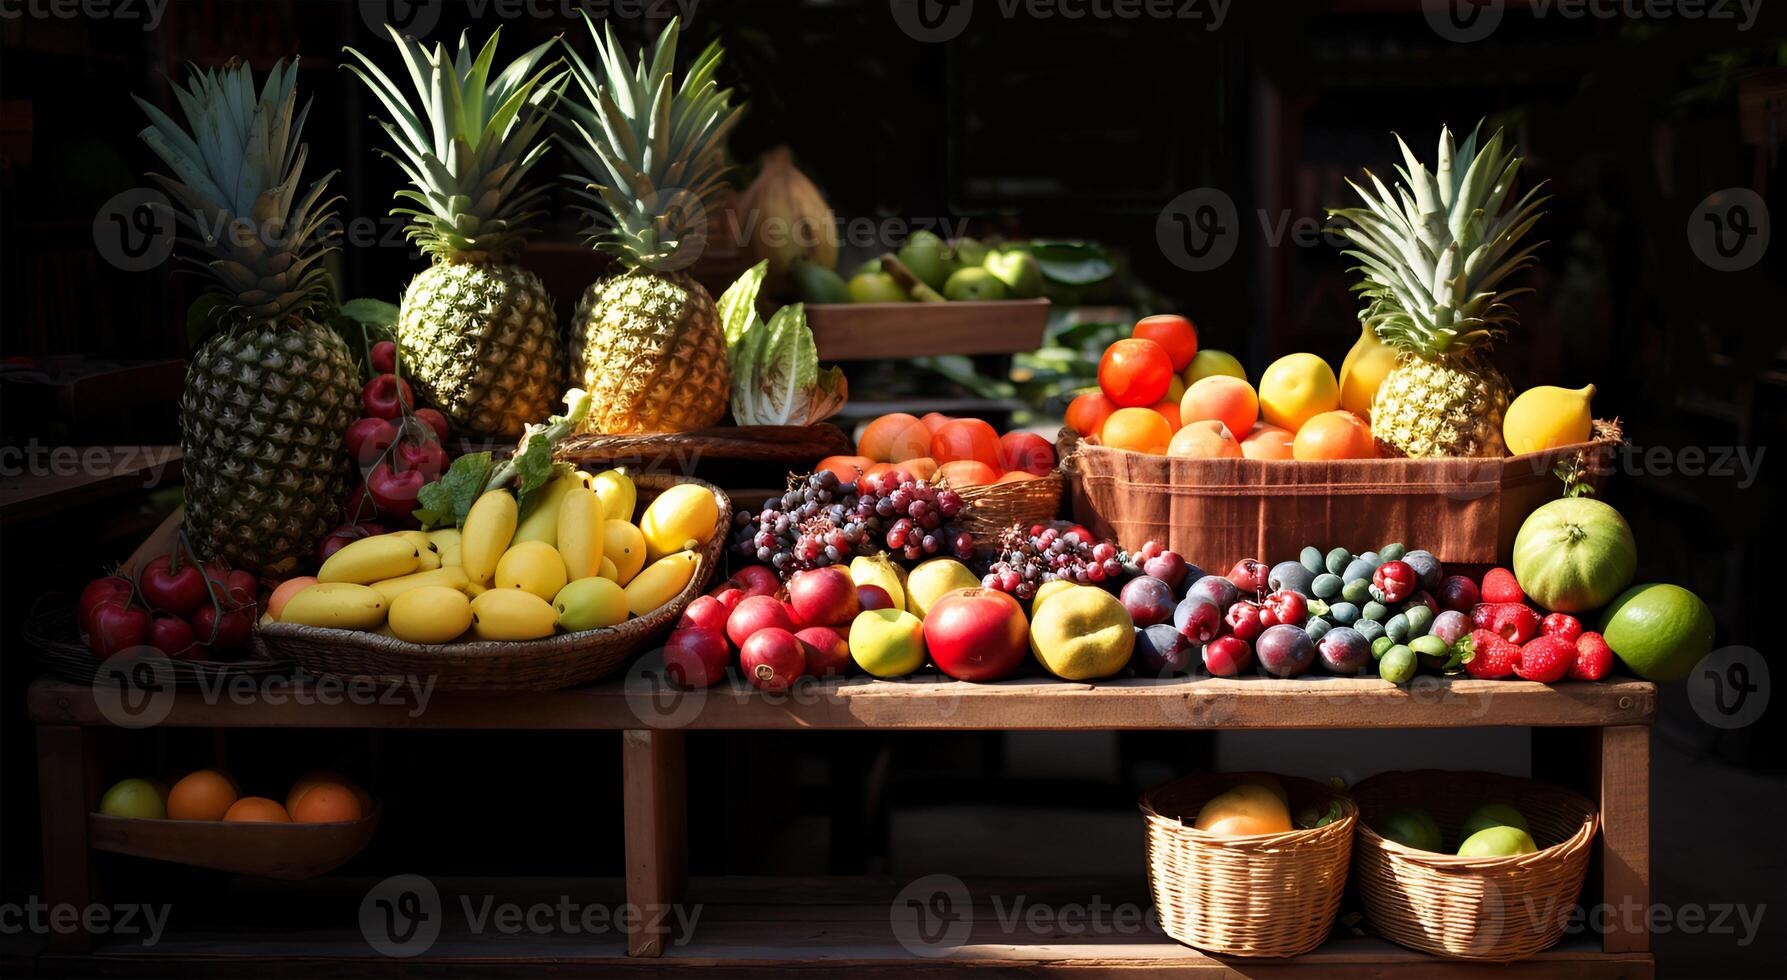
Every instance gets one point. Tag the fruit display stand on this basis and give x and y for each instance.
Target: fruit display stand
(1592, 736)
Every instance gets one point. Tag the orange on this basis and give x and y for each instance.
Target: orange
(203, 795)
(967, 473)
(286, 589)
(1087, 412)
(1135, 373)
(934, 421)
(327, 803)
(1017, 476)
(1267, 442)
(1142, 430)
(1174, 333)
(1334, 435)
(1169, 410)
(256, 809)
(1026, 451)
(894, 437)
(309, 779)
(1230, 401)
(848, 468)
(960, 439)
(1204, 439)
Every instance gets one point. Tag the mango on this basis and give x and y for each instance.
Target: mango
(1497, 842)
(430, 614)
(449, 576)
(511, 614)
(489, 527)
(1243, 810)
(580, 533)
(531, 566)
(590, 604)
(338, 605)
(368, 560)
(425, 549)
(660, 581)
(1082, 634)
(681, 518)
(618, 494)
(625, 546)
(541, 522)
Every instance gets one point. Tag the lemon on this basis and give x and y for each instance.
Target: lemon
(1547, 417)
(1207, 362)
(1297, 388)
(1366, 365)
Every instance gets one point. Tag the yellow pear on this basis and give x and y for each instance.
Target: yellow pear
(1366, 365)
(1547, 417)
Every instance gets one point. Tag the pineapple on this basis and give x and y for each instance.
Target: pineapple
(478, 332)
(269, 395)
(646, 342)
(1432, 255)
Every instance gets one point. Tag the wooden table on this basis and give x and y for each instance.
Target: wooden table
(778, 926)
(70, 476)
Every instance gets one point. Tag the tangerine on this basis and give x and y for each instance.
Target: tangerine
(1267, 442)
(1087, 412)
(1228, 400)
(1334, 435)
(1141, 430)
(256, 809)
(893, 437)
(203, 795)
(961, 439)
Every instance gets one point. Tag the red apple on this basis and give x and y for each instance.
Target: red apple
(115, 589)
(116, 627)
(170, 634)
(751, 580)
(729, 599)
(696, 656)
(178, 591)
(977, 634)
(755, 613)
(873, 597)
(772, 658)
(823, 597)
(706, 612)
(826, 649)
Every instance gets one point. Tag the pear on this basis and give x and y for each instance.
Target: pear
(1019, 271)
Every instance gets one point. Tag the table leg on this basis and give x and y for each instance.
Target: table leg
(1624, 782)
(68, 788)
(655, 814)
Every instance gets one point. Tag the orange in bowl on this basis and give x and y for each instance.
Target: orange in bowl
(1334, 435)
(1204, 439)
(1086, 413)
(1017, 476)
(934, 421)
(1267, 442)
(1169, 410)
(203, 795)
(848, 468)
(967, 473)
(256, 809)
(1230, 401)
(327, 803)
(284, 592)
(1141, 430)
(960, 439)
(1175, 334)
(894, 437)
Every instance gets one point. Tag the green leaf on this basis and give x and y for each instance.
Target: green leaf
(447, 500)
(960, 369)
(1071, 263)
(776, 378)
(738, 305)
(203, 316)
(533, 467)
(372, 313)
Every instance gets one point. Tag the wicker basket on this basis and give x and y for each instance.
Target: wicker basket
(1496, 909)
(51, 631)
(996, 506)
(1262, 895)
(532, 665)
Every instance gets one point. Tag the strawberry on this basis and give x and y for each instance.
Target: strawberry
(1561, 624)
(1512, 620)
(1488, 656)
(1499, 585)
(1594, 658)
(1547, 659)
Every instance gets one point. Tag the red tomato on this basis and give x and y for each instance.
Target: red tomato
(1026, 451)
(966, 439)
(1175, 334)
(1135, 373)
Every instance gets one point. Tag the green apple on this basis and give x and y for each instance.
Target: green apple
(590, 604)
(138, 798)
(1208, 362)
(1494, 842)
(973, 284)
(887, 642)
(1019, 271)
(872, 265)
(818, 284)
(968, 251)
(927, 256)
(1492, 815)
(876, 287)
(1410, 827)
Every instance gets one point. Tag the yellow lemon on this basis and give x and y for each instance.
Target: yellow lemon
(1297, 388)
(1547, 417)
(1365, 367)
(1208, 362)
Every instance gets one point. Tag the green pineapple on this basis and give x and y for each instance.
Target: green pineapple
(269, 395)
(478, 332)
(646, 342)
(1432, 254)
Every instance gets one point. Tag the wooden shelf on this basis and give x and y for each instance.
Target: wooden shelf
(924, 702)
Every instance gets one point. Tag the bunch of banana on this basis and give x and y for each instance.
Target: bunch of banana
(575, 561)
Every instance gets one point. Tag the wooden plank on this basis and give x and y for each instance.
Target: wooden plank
(1624, 779)
(95, 473)
(68, 787)
(654, 816)
(868, 331)
(923, 702)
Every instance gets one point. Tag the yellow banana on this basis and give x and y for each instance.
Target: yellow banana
(541, 522)
(371, 559)
(339, 605)
(511, 614)
(580, 533)
(488, 527)
(425, 549)
(450, 576)
(660, 582)
(618, 494)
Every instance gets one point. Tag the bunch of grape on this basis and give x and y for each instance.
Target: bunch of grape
(1059, 550)
(820, 521)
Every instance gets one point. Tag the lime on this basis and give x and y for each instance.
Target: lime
(1491, 815)
(1660, 631)
(1410, 827)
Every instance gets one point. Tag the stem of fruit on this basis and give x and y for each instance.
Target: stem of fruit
(577, 406)
(914, 286)
(210, 586)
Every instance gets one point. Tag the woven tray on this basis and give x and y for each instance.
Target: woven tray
(1496, 909)
(1261, 895)
(547, 664)
(51, 631)
(996, 506)
(801, 445)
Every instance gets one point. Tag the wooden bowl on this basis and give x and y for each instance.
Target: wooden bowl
(288, 851)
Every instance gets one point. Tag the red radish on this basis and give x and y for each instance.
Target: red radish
(117, 627)
(110, 589)
(826, 650)
(751, 580)
(773, 659)
(170, 634)
(380, 397)
(706, 612)
(822, 597)
(696, 656)
(873, 597)
(176, 590)
(1227, 656)
(756, 613)
(368, 438)
(384, 357)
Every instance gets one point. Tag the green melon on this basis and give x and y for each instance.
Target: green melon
(1574, 554)
(1660, 631)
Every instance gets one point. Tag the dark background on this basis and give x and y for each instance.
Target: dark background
(1026, 126)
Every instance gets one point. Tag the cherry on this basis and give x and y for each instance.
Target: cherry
(170, 634)
(433, 419)
(394, 492)
(384, 357)
(221, 631)
(110, 589)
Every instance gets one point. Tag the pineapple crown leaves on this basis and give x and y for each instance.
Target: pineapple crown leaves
(651, 153)
(466, 142)
(236, 165)
(1433, 251)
